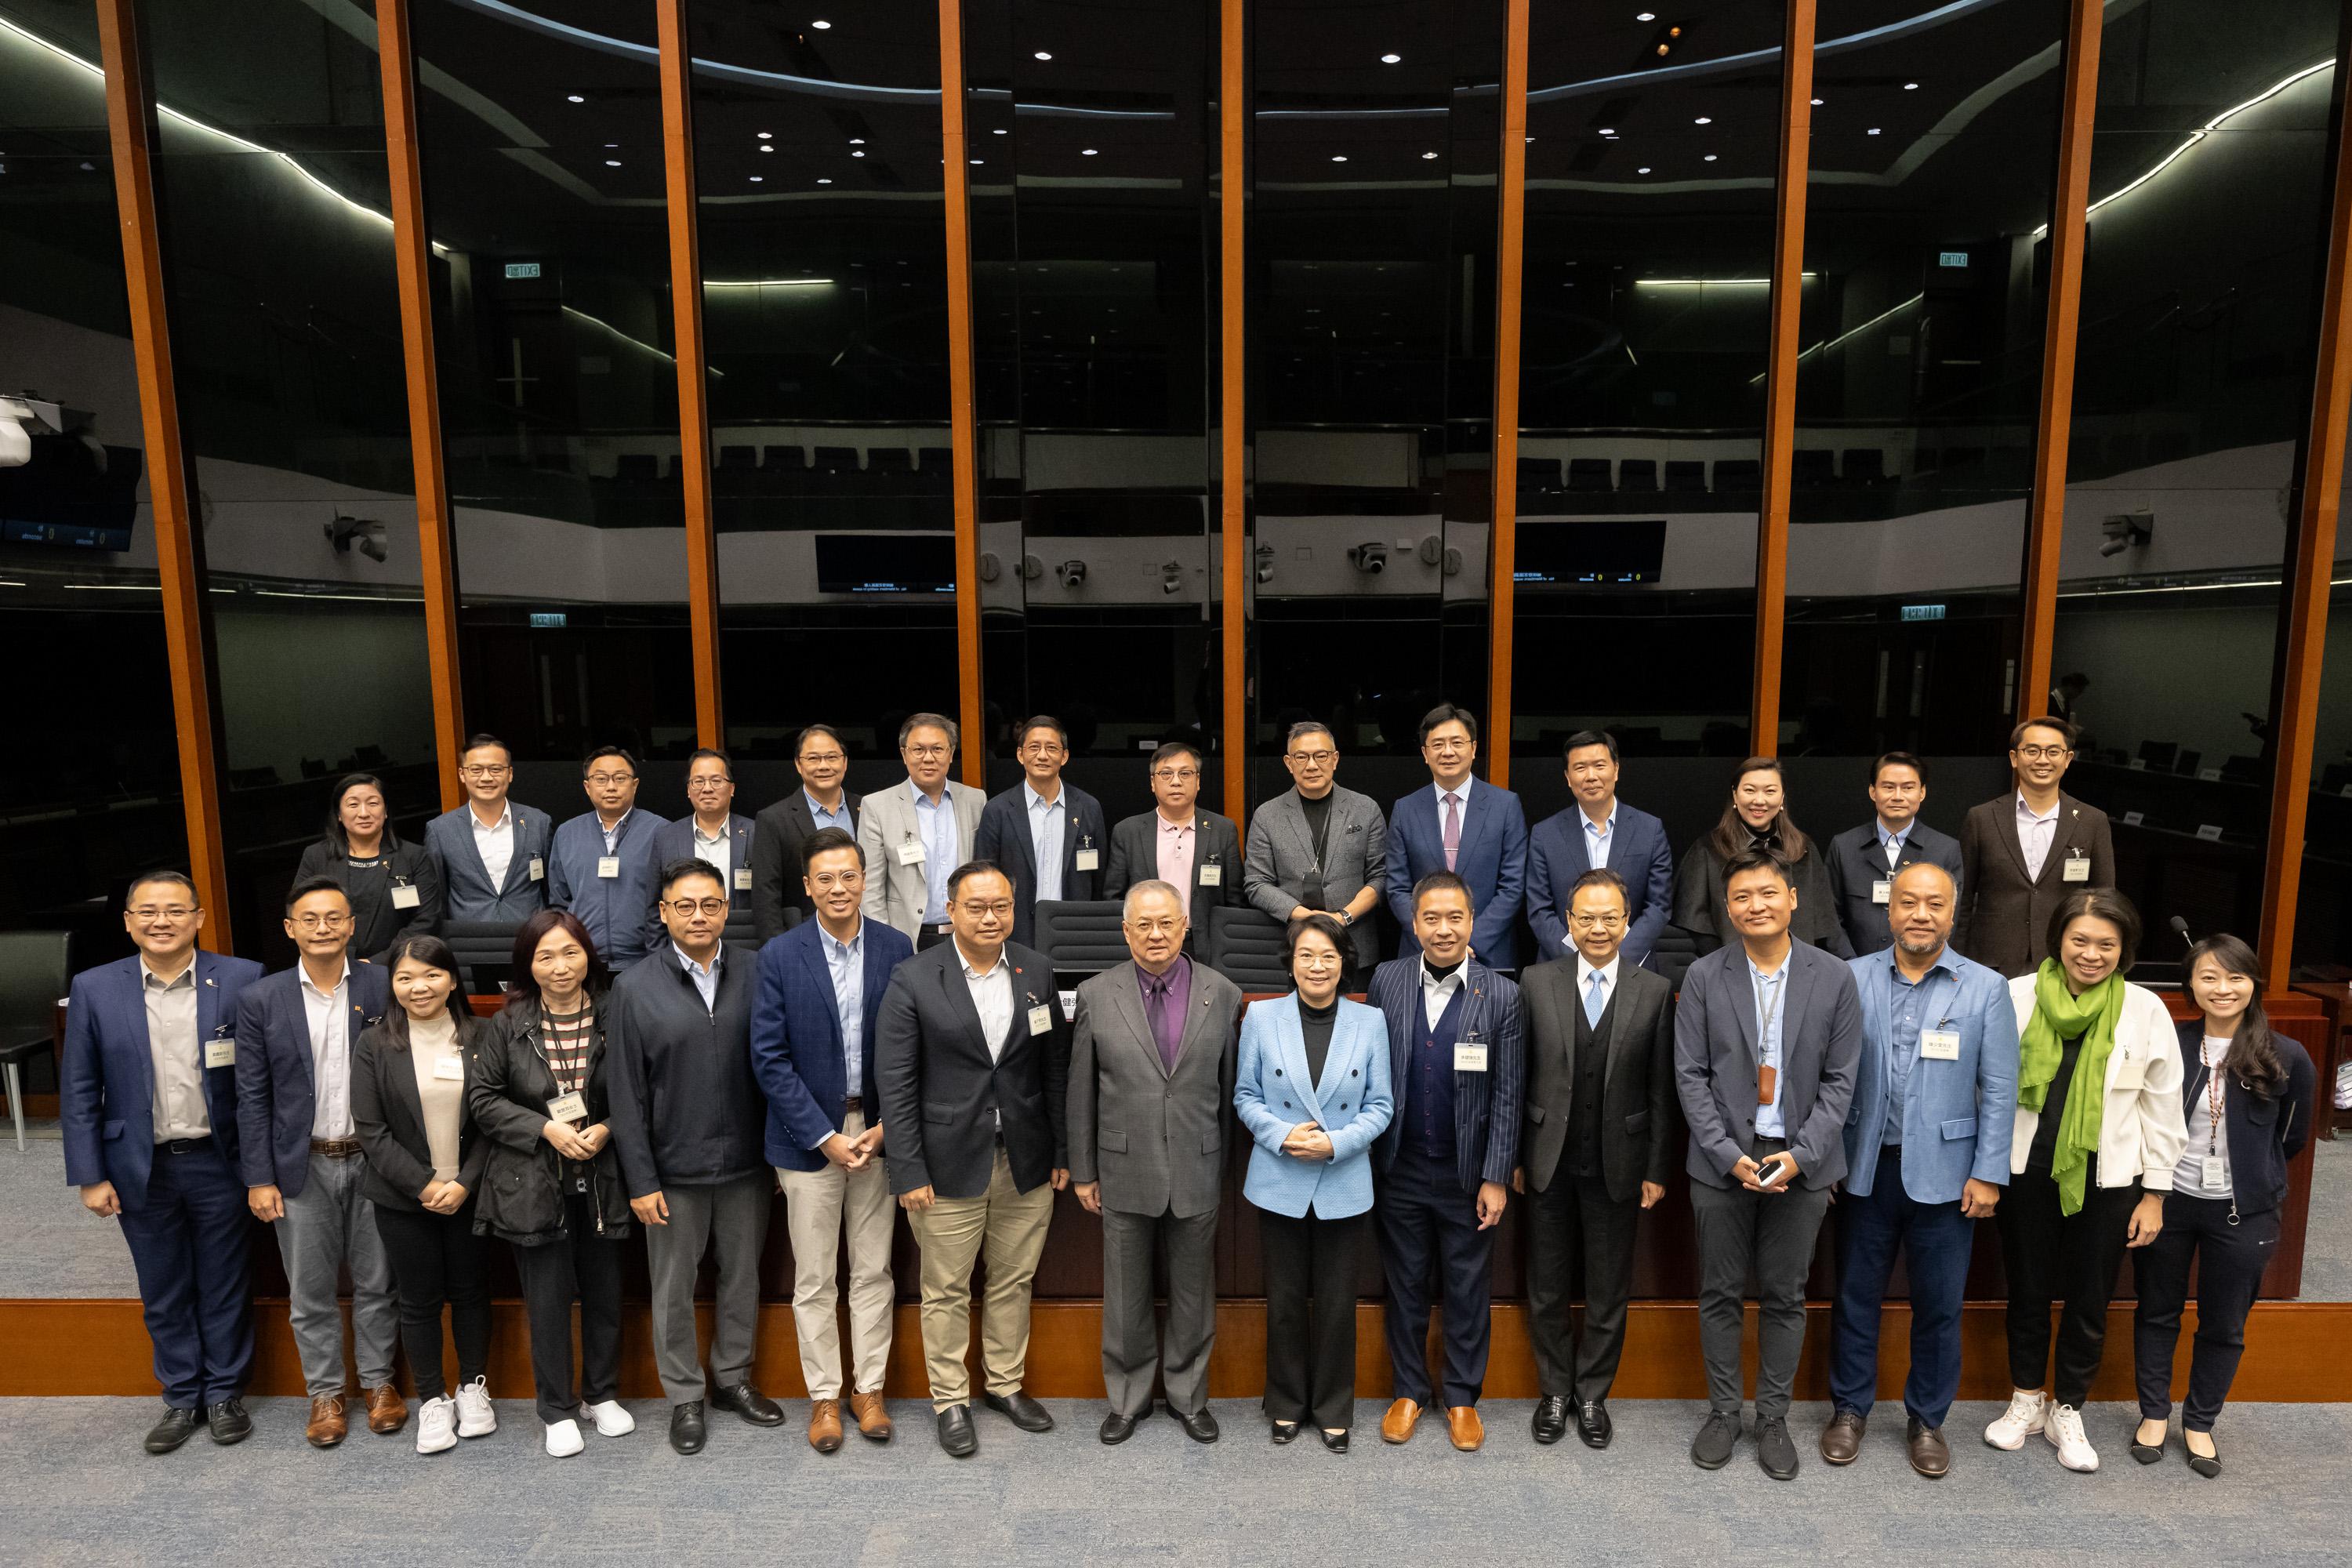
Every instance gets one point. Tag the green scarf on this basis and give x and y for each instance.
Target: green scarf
(2059, 1016)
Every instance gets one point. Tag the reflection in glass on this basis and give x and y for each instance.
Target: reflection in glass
(2322, 924)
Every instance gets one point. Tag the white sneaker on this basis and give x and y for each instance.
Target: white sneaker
(2027, 1413)
(2066, 1434)
(612, 1420)
(477, 1417)
(564, 1439)
(436, 1426)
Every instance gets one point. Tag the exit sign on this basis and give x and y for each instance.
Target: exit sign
(547, 620)
(522, 269)
(1951, 259)
(1923, 612)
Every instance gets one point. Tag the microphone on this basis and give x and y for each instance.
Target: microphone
(2182, 927)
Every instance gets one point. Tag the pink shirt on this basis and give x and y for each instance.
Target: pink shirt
(1176, 846)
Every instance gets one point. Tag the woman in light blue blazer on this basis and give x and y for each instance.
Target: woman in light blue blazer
(1313, 1089)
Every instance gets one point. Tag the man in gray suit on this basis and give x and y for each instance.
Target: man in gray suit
(1151, 1078)
(492, 851)
(916, 833)
(1767, 1033)
(1318, 848)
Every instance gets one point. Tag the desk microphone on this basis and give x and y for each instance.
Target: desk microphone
(2182, 927)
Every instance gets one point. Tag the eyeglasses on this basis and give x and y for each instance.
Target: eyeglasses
(823, 759)
(322, 922)
(1175, 776)
(707, 782)
(168, 914)
(927, 753)
(1596, 922)
(1156, 928)
(2042, 754)
(610, 781)
(1314, 759)
(484, 771)
(1039, 748)
(1000, 907)
(690, 906)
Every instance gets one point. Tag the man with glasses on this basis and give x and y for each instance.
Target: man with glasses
(1317, 848)
(492, 851)
(1863, 861)
(2022, 852)
(1180, 844)
(1598, 831)
(605, 869)
(1044, 833)
(918, 833)
(147, 1107)
(780, 834)
(301, 1154)
(712, 832)
(1465, 825)
(691, 1125)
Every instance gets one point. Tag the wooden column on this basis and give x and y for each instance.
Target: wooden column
(1240, 565)
(693, 369)
(2046, 521)
(1780, 375)
(171, 475)
(437, 545)
(963, 430)
(1510, 255)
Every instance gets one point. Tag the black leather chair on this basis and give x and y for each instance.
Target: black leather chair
(1080, 936)
(1673, 955)
(36, 967)
(484, 953)
(1245, 947)
(742, 932)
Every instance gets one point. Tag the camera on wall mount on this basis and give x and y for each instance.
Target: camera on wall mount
(1072, 573)
(1172, 576)
(1371, 559)
(1265, 557)
(2126, 531)
(365, 532)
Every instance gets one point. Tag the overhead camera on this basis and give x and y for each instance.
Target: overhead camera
(1266, 563)
(365, 532)
(2126, 531)
(1172, 576)
(1072, 573)
(1369, 559)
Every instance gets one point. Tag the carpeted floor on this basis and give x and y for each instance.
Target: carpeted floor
(80, 1491)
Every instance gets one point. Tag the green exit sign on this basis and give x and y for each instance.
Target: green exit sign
(1951, 259)
(1923, 612)
(522, 269)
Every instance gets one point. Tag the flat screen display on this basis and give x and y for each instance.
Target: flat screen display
(1591, 554)
(885, 562)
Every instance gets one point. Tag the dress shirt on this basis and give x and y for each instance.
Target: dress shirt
(331, 1053)
(839, 817)
(177, 1054)
(1045, 820)
(1178, 842)
(494, 842)
(1905, 1017)
(706, 980)
(1436, 993)
(935, 825)
(1771, 1005)
(2035, 833)
(992, 995)
(1598, 836)
(612, 832)
(1175, 989)
(1584, 974)
(846, 963)
(716, 852)
(1891, 844)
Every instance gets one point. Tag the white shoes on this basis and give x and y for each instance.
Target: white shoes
(476, 1418)
(2065, 1431)
(564, 1439)
(612, 1420)
(2028, 1413)
(436, 1426)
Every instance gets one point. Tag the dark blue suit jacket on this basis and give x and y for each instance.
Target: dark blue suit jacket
(274, 1101)
(796, 1051)
(1637, 852)
(675, 841)
(1486, 1105)
(1004, 836)
(1492, 858)
(2264, 1132)
(106, 1077)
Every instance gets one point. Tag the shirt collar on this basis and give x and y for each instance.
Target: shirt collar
(148, 977)
(1597, 829)
(304, 975)
(619, 823)
(725, 832)
(691, 967)
(1608, 972)
(1038, 802)
(2027, 813)
(816, 807)
(1182, 966)
(963, 961)
(1759, 977)
(1429, 980)
(1167, 826)
(1945, 964)
(924, 801)
(1903, 836)
(506, 818)
(1463, 789)
(849, 949)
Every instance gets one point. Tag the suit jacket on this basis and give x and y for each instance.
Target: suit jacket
(1485, 1104)
(1135, 858)
(1699, 898)
(1492, 858)
(796, 1048)
(465, 891)
(942, 1093)
(1856, 866)
(1002, 836)
(1273, 1094)
(1957, 1115)
(896, 893)
(1637, 1074)
(1637, 852)
(777, 835)
(619, 911)
(275, 1094)
(1717, 1053)
(1281, 851)
(106, 1071)
(675, 841)
(1154, 1138)
(2264, 1132)
(390, 1115)
(2004, 916)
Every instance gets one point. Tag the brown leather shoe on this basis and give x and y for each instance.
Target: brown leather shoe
(1461, 1425)
(1929, 1456)
(387, 1412)
(1397, 1425)
(327, 1421)
(1841, 1439)
(873, 1420)
(824, 1425)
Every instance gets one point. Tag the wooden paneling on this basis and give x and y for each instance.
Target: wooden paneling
(1239, 560)
(1510, 256)
(962, 429)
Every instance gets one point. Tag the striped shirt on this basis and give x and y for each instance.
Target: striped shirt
(567, 1041)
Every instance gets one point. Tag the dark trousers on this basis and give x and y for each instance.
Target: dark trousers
(1131, 1353)
(436, 1261)
(187, 1239)
(1935, 1240)
(582, 1266)
(1428, 1223)
(2230, 1262)
(1575, 1227)
(1310, 1316)
(2066, 1258)
(1771, 1236)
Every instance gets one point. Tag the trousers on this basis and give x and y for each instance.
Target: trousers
(327, 1228)
(1935, 1240)
(821, 1208)
(731, 1218)
(1770, 1235)
(2072, 1259)
(187, 1239)
(436, 1261)
(1007, 1227)
(2230, 1260)
(582, 1267)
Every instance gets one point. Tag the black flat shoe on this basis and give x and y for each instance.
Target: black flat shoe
(176, 1427)
(1201, 1428)
(1116, 1428)
(1021, 1410)
(956, 1434)
(2142, 1452)
(2209, 1468)
(1592, 1424)
(229, 1422)
(688, 1427)
(749, 1403)
(1549, 1423)
(1285, 1431)
(1335, 1441)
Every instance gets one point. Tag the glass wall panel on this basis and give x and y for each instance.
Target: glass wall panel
(2322, 924)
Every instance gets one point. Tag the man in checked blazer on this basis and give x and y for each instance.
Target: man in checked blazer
(2021, 852)
(1455, 1073)
(1319, 848)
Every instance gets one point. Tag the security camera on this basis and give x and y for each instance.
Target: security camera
(2126, 531)
(27, 415)
(1072, 573)
(1266, 563)
(365, 532)
(1369, 559)
(1172, 576)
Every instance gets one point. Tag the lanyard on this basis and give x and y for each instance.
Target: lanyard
(2212, 1097)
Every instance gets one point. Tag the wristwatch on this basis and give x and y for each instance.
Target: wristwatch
(1345, 919)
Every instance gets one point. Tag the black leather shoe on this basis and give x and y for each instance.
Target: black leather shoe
(1285, 1432)
(1021, 1411)
(1775, 1450)
(176, 1427)
(689, 1425)
(2211, 1468)
(1550, 1422)
(1118, 1428)
(1335, 1441)
(1201, 1428)
(1592, 1424)
(956, 1434)
(1711, 1449)
(749, 1403)
(229, 1422)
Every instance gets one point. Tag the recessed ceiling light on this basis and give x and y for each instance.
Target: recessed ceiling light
(857, 154)
(612, 163)
(1607, 130)
(857, 141)
(1710, 157)
(766, 135)
(1646, 17)
(758, 178)
(1873, 130)
(1086, 151)
(819, 27)
(1817, 103)
(998, 131)
(1425, 157)
(1042, 55)
(824, 182)
(1391, 59)
(1643, 170)
(574, 98)
(1910, 86)
(979, 160)
(1338, 157)
(1704, 120)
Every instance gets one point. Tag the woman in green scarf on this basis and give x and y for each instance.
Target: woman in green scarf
(2099, 1129)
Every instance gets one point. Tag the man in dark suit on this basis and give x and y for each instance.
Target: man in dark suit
(1599, 832)
(147, 1107)
(492, 851)
(1151, 1085)
(1465, 825)
(813, 1032)
(779, 833)
(1044, 833)
(1455, 1068)
(1317, 848)
(1767, 1032)
(1178, 843)
(2021, 853)
(301, 1154)
(711, 831)
(1862, 861)
(973, 1055)
(1600, 1133)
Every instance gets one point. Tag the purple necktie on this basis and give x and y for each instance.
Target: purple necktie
(1155, 1013)
(1453, 829)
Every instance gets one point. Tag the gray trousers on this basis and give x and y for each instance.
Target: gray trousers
(327, 1228)
(1130, 1347)
(1770, 1235)
(731, 1218)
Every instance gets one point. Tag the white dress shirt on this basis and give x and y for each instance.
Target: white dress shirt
(1598, 838)
(175, 1053)
(1045, 820)
(328, 1015)
(1608, 973)
(494, 842)
(1435, 993)
(2035, 834)
(992, 995)
(716, 852)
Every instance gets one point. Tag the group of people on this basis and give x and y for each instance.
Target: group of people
(899, 1043)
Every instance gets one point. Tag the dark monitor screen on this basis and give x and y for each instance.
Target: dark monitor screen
(63, 496)
(885, 562)
(1591, 554)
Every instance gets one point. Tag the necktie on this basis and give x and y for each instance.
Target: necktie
(1155, 1013)
(1453, 829)
(1893, 853)
(1595, 998)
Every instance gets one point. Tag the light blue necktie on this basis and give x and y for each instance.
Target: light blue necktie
(1594, 1000)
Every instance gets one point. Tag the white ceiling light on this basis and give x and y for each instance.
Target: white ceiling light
(857, 141)
(1391, 59)
(824, 182)
(1086, 151)
(612, 163)
(1042, 55)
(767, 148)
(574, 98)
(766, 135)
(1910, 86)
(1425, 157)
(1643, 170)
(1338, 157)
(857, 154)
(819, 27)
(1872, 132)
(1704, 120)
(1710, 157)
(756, 179)
(1646, 17)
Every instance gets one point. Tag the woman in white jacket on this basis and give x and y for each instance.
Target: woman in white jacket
(2088, 1170)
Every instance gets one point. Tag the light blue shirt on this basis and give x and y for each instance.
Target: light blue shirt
(1771, 995)
(1045, 820)
(823, 818)
(706, 980)
(936, 827)
(1905, 1015)
(846, 963)
(612, 834)
(1891, 844)
(1598, 838)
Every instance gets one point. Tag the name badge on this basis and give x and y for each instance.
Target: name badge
(1941, 1045)
(1882, 890)
(2213, 1172)
(404, 897)
(1041, 1019)
(608, 866)
(538, 869)
(910, 852)
(1470, 1055)
(2077, 868)
(220, 1053)
(567, 1108)
(742, 879)
(2129, 1072)
(1212, 875)
(1087, 859)
(451, 1069)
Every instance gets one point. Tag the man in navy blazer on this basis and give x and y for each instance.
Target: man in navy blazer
(492, 850)
(1599, 832)
(1863, 861)
(1044, 833)
(712, 831)
(1464, 825)
(820, 988)
(1455, 1072)
(147, 1106)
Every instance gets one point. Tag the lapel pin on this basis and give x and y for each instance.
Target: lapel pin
(210, 981)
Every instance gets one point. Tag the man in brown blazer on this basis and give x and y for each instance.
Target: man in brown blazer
(2022, 852)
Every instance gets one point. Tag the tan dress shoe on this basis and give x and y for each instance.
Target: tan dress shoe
(873, 1420)
(824, 1425)
(327, 1421)
(1461, 1425)
(387, 1412)
(1397, 1425)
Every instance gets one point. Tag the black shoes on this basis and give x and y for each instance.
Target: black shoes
(176, 1427)
(1021, 1410)
(1775, 1450)
(1592, 1424)
(689, 1425)
(1118, 1428)
(1201, 1428)
(1285, 1432)
(229, 1422)
(1335, 1441)
(956, 1434)
(1550, 1422)
(749, 1403)
(1711, 1449)
(2211, 1468)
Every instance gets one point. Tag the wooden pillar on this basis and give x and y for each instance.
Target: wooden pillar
(1510, 255)
(963, 430)
(1240, 563)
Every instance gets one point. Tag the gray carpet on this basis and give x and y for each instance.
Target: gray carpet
(80, 1491)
